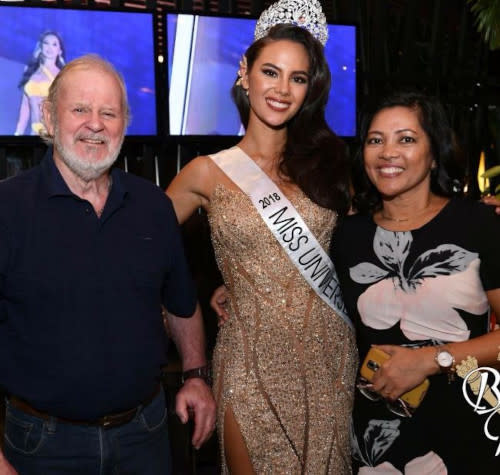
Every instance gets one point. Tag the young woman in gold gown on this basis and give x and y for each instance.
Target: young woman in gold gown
(285, 362)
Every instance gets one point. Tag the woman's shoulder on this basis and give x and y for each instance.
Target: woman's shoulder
(471, 211)
(207, 166)
(200, 163)
(200, 166)
(200, 175)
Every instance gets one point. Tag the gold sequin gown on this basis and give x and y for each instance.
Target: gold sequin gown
(284, 361)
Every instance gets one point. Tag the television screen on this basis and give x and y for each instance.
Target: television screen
(36, 42)
(203, 54)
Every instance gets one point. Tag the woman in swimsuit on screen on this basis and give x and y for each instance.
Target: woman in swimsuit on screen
(47, 61)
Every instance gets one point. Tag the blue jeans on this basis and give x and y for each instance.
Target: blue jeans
(46, 447)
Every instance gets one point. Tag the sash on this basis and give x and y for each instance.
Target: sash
(287, 226)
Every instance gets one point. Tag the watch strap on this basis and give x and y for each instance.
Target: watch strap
(448, 370)
(203, 372)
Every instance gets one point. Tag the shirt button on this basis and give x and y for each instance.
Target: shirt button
(87, 210)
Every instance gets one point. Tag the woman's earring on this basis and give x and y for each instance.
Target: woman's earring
(242, 70)
(246, 92)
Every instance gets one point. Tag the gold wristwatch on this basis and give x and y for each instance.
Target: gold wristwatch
(446, 362)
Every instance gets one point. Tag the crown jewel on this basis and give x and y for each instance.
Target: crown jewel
(304, 13)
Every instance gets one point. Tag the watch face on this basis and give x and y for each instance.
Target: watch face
(444, 359)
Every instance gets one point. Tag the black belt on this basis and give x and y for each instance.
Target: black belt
(108, 421)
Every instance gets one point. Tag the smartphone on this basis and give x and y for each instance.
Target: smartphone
(374, 360)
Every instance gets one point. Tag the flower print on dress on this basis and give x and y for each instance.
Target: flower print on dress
(378, 437)
(409, 293)
(428, 464)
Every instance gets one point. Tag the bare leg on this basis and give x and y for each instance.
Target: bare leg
(237, 457)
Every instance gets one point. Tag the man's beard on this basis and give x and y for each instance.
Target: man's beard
(87, 170)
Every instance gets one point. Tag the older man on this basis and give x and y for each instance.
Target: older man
(87, 258)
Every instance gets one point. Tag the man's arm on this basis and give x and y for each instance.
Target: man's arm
(195, 395)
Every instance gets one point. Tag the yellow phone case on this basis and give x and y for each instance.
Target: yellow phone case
(374, 359)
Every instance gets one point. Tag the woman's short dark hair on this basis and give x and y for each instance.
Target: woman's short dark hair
(37, 60)
(314, 157)
(448, 174)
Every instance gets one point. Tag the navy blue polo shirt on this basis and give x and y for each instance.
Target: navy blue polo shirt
(81, 333)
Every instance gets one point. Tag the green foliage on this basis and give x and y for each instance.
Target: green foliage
(491, 172)
(487, 14)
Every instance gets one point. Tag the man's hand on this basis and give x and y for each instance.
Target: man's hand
(195, 396)
(5, 467)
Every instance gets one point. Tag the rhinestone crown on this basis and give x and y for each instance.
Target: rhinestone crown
(304, 13)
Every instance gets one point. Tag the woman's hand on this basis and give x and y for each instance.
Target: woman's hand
(218, 303)
(405, 369)
(492, 201)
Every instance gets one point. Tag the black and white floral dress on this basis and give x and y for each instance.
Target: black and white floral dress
(422, 287)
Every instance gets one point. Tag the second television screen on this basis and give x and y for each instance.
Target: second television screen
(203, 56)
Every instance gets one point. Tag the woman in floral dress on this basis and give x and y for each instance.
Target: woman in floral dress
(420, 272)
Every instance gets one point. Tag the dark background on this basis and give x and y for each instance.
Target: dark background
(430, 44)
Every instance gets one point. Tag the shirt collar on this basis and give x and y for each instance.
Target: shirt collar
(56, 186)
(54, 181)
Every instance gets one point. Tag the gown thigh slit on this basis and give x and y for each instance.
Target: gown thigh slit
(236, 453)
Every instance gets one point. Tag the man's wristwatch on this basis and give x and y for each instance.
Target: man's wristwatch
(446, 362)
(203, 372)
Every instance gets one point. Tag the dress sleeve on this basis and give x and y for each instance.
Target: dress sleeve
(179, 293)
(339, 253)
(337, 244)
(488, 230)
